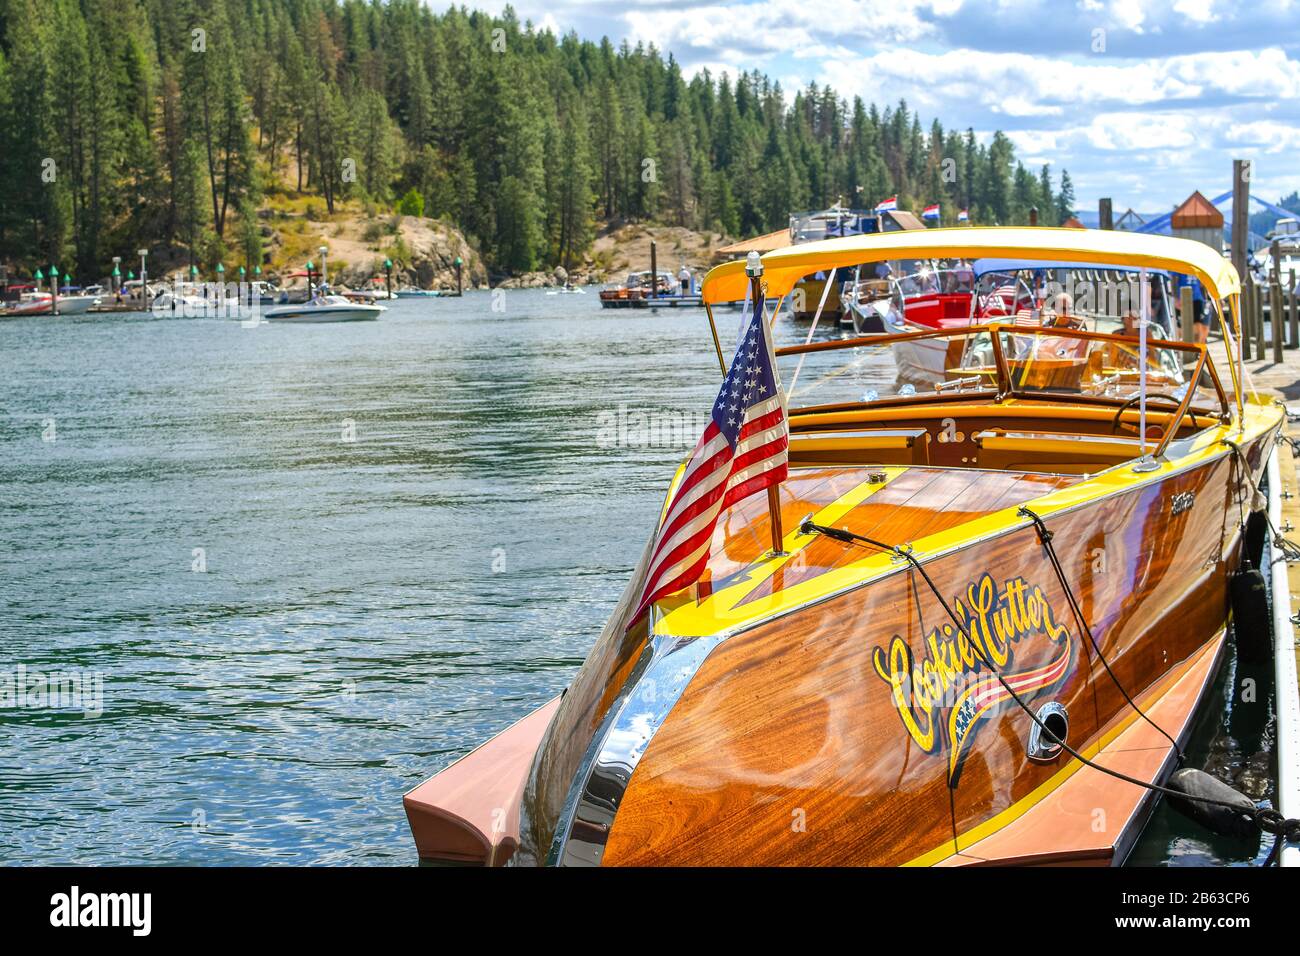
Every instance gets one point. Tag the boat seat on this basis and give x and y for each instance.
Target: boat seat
(1057, 452)
(884, 446)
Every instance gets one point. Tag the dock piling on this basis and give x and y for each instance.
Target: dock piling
(1293, 320)
(1275, 312)
(1257, 300)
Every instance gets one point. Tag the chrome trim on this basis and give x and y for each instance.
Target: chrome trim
(1044, 751)
(651, 691)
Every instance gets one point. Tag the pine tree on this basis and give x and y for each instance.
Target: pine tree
(116, 118)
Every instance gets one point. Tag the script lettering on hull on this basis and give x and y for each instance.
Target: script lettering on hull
(943, 698)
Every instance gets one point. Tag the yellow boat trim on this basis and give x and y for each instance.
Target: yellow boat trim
(721, 602)
(722, 612)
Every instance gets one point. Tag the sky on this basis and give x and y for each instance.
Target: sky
(1141, 101)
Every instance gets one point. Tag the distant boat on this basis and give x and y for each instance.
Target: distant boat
(639, 288)
(326, 308)
(33, 303)
(410, 292)
(567, 290)
(75, 304)
(367, 295)
(43, 303)
(193, 306)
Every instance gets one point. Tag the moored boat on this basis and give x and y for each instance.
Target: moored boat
(819, 293)
(75, 304)
(326, 308)
(637, 290)
(966, 606)
(32, 303)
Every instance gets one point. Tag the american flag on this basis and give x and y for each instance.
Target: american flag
(744, 450)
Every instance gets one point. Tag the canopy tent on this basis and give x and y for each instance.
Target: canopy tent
(760, 244)
(1164, 224)
(1107, 248)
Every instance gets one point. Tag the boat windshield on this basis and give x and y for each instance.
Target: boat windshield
(1095, 300)
(904, 279)
(880, 368)
(996, 360)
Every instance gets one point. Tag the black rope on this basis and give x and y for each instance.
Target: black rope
(1045, 536)
(1268, 820)
(1290, 549)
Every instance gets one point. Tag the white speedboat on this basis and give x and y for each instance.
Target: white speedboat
(412, 293)
(75, 304)
(193, 306)
(326, 308)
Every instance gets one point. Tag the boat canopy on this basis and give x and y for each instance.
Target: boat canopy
(985, 266)
(782, 268)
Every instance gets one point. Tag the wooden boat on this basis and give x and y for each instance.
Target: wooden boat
(637, 290)
(837, 222)
(823, 704)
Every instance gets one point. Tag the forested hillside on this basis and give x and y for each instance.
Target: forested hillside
(164, 123)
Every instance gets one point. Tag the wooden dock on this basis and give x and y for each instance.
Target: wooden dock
(1278, 377)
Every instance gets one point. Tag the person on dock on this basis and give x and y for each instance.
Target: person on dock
(684, 279)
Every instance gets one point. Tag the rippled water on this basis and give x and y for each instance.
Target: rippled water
(370, 609)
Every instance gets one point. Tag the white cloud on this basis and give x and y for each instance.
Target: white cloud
(1199, 11)
(1183, 88)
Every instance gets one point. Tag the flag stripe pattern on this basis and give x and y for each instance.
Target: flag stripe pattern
(744, 450)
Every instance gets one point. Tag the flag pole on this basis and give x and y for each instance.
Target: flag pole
(754, 269)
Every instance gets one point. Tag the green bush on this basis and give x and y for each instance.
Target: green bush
(412, 204)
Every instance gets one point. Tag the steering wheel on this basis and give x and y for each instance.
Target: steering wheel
(1117, 425)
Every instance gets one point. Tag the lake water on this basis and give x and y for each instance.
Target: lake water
(313, 564)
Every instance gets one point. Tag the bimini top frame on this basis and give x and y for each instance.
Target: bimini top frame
(783, 268)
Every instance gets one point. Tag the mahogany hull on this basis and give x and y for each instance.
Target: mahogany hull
(859, 728)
